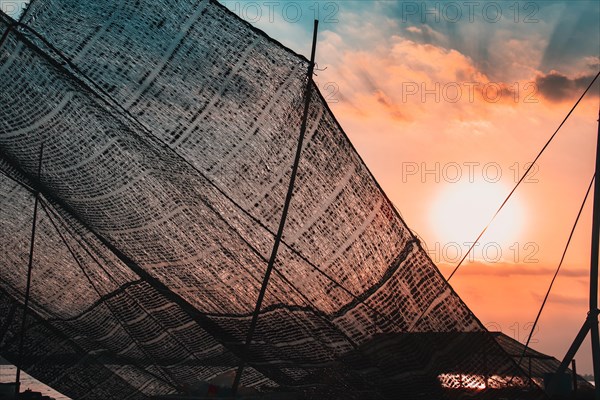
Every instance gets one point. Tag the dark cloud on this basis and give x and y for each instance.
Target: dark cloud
(557, 87)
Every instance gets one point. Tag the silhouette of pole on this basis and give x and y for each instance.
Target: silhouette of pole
(591, 322)
(278, 237)
(574, 369)
(593, 313)
(28, 285)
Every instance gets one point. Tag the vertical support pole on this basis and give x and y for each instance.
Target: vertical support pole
(574, 370)
(28, 285)
(278, 237)
(591, 322)
(593, 313)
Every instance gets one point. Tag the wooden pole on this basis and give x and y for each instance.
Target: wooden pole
(28, 285)
(278, 237)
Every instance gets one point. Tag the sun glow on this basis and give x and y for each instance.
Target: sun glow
(462, 210)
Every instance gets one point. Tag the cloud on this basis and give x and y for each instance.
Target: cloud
(510, 269)
(393, 108)
(408, 73)
(427, 35)
(563, 299)
(557, 87)
(406, 80)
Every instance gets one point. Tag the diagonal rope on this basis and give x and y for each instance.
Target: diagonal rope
(18, 182)
(508, 197)
(523, 177)
(556, 273)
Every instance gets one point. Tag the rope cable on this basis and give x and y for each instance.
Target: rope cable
(523, 177)
(507, 198)
(556, 273)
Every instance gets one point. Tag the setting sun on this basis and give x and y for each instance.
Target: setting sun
(462, 210)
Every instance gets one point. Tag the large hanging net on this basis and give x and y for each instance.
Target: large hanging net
(168, 132)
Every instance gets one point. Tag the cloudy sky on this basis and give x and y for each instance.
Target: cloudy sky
(447, 102)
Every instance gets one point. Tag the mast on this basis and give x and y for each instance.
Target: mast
(593, 312)
(591, 322)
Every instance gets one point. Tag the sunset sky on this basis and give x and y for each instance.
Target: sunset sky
(447, 103)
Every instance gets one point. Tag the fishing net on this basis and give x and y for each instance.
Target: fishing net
(168, 132)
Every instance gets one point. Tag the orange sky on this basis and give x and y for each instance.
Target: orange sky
(415, 94)
(508, 288)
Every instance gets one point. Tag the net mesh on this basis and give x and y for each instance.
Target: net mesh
(169, 130)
